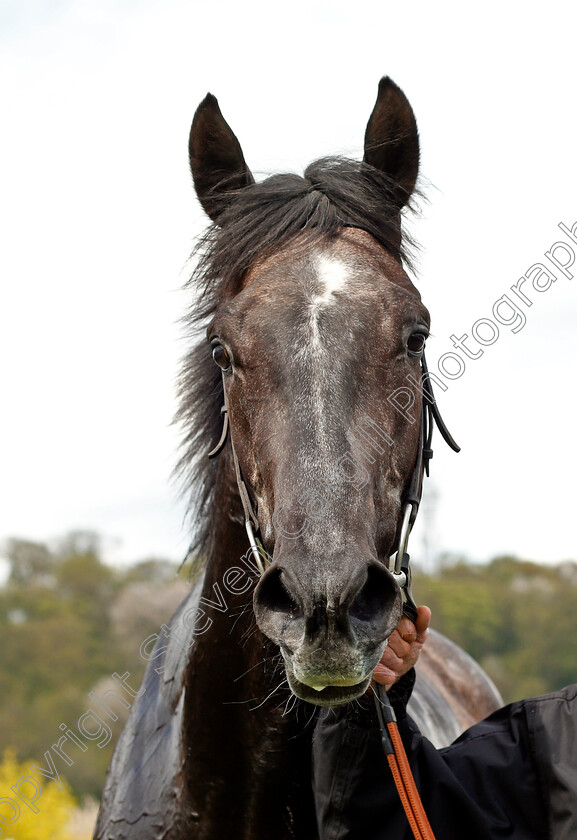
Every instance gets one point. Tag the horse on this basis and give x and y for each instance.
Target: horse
(311, 394)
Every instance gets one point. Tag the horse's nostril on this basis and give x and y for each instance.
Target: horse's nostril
(366, 605)
(377, 596)
(273, 595)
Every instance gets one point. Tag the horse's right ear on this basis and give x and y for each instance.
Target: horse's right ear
(216, 160)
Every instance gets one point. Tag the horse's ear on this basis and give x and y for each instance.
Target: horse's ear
(392, 139)
(216, 160)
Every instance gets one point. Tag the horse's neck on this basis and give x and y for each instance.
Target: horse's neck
(248, 760)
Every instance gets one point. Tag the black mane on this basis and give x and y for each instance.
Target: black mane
(259, 220)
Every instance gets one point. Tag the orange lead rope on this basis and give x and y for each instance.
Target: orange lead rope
(400, 768)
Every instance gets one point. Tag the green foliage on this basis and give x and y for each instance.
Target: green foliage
(68, 622)
(517, 618)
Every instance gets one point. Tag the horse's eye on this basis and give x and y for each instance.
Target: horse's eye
(416, 343)
(220, 355)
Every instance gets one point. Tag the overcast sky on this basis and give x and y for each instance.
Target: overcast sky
(97, 218)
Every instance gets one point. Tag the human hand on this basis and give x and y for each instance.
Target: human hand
(402, 652)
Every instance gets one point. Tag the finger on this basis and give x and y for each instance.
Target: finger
(403, 648)
(398, 645)
(422, 623)
(407, 629)
(384, 676)
(391, 660)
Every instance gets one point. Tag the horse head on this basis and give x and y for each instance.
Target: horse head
(317, 334)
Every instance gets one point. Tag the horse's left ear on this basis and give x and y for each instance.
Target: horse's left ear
(392, 139)
(216, 161)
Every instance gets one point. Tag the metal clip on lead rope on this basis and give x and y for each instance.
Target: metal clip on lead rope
(397, 571)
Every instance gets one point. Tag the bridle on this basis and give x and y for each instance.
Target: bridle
(399, 561)
(259, 553)
(430, 415)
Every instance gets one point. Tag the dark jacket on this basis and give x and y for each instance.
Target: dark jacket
(514, 775)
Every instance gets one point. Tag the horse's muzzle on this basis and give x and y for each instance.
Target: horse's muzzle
(331, 634)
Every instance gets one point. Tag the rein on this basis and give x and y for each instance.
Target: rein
(399, 567)
(400, 767)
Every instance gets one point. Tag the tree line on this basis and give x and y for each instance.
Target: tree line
(69, 622)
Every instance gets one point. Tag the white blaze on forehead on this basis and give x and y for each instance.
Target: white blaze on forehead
(333, 275)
